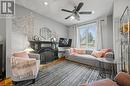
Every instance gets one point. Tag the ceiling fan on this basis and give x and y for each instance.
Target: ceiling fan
(76, 12)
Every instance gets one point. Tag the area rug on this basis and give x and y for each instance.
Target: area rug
(67, 73)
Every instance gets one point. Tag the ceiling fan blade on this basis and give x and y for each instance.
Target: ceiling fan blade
(68, 17)
(88, 12)
(66, 10)
(79, 6)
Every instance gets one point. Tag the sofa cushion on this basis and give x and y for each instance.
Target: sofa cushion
(123, 79)
(73, 51)
(98, 53)
(21, 54)
(80, 51)
(104, 82)
(105, 50)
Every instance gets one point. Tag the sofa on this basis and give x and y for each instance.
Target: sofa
(24, 66)
(86, 57)
(121, 79)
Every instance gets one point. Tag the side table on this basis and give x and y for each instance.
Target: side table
(61, 54)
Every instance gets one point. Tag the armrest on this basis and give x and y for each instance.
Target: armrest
(23, 68)
(109, 55)
(35, 56)
(21, 62)
(123, 79)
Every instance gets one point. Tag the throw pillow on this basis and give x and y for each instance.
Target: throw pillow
(21, 54)
(97, 53)
(81, 51)
(73, 51)
(105, 50)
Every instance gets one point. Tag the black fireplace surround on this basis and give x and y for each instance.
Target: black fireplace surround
(47, 54)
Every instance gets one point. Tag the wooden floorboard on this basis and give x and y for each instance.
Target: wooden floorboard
(52, 63)
(6, 82)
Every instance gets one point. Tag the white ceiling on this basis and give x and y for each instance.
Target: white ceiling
(53, 10)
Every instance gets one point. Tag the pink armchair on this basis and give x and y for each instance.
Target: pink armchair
(121, 79)
(24, 66)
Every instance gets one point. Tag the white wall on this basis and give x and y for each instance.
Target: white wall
(3, 28)
(39, 22)
(119, 7)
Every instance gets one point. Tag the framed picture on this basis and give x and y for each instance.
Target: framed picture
(45, 33)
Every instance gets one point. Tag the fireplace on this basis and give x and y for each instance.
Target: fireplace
(2, 61)
(48, 50)
(47, 54)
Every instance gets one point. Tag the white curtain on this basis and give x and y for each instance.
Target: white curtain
(74, 35)
(99, 36)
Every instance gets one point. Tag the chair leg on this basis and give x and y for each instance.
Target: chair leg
(33, 81)
(15, 83)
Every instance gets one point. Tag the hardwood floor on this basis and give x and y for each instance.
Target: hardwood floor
(52, 63)
(6, 82)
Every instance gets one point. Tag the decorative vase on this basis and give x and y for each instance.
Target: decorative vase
(36, 38)
(53, 39)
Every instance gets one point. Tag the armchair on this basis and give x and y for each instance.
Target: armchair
(121, 79)
(24, 66)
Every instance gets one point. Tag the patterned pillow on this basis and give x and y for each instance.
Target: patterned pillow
(75, 51)
(105, 50)
(81, 51)
(98, 53)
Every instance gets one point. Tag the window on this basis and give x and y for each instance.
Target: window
(87, 36)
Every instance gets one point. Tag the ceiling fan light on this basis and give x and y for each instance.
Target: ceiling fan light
(45, 3)
(93, 12)
(72, 17)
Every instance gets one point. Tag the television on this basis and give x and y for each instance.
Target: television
(65, 42)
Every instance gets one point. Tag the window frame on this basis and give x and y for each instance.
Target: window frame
(83, 25)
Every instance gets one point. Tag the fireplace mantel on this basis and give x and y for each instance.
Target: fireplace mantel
(48, 52)
(36, 45)
(44, 42)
